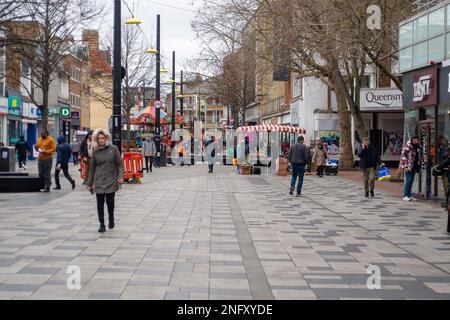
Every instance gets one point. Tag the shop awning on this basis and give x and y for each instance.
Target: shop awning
(146, 113)
(272, 127)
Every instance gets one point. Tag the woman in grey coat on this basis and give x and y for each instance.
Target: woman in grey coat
(106, 173)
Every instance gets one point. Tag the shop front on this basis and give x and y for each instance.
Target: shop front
(3, 120)
(382, 112)
(14, 119)
(29, 125)
(427, 115)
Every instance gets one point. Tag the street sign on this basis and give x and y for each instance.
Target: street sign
(158, 104)
(65, 112)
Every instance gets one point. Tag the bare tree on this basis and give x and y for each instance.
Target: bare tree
(139, 68)
(44, 39)
(327, 39)
(10, 11)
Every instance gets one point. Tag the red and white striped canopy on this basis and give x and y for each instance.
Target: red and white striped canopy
(272, 127)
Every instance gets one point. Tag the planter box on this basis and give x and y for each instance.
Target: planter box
(246, 170)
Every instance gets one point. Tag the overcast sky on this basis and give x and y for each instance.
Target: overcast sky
(176, 31)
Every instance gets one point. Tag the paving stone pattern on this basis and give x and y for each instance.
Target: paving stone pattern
(187, 234)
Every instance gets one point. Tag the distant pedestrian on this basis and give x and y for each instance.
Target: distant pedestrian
(181, 150)
(46, 147)
(210, 148)
(106, 173)
(23, 150)
(320, 157)
(75, 147)
(369, 160)
(410, 163)
(149, 150)
(63, 152)
(298, 157)
(86, 150)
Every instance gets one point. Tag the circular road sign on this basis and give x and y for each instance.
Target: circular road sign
(158, 104)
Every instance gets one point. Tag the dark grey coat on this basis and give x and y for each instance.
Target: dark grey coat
(106, 170)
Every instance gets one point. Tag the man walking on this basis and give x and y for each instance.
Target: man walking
(410, 164)
(369, 160)
(46, 147)
(75, 147)
(149, 150)
(62, 162)
(22, 149)
(298, 157)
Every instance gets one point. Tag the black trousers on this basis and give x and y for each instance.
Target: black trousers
(65, 170)
(22, 160)
(211, 167)
(45, 171)
(149, 160)
(101, 207)
(320, 170)
(75, 158)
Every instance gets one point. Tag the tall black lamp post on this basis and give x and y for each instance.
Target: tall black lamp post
(117, 93)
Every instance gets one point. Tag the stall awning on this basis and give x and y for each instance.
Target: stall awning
(147, 113)
(272, 127)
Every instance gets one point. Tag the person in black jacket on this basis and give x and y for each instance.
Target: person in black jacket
(298, 157)
(23, 149)
(63, 152)
(443, 169)
(369, 161)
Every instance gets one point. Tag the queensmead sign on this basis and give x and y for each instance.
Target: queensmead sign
(381, 98)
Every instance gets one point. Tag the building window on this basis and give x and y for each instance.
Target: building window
(406, 58)
(25, 77)
(75, 74)
(63, 88)
(436, 49)
(436, 22)
(421, 54)
(296, 86)
(406, 35)
(75, 100)
(420, 29)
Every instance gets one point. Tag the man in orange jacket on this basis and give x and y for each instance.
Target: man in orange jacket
(46, 147)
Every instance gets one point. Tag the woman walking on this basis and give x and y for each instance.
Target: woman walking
(320, 156)
(86, 149)
(106, 173)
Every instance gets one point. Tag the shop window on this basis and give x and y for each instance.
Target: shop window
(421, 28)
(410, 124)
(420, 54)
(436, 49)
(448, 45)
(436, 22)
(406, 35)
(448, 17)
(25, 77)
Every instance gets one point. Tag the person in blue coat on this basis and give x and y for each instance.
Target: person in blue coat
(63, 152)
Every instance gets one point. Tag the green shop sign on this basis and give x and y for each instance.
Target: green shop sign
(14, 105)
(64, 112)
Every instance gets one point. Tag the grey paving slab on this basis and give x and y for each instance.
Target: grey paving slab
(187, 234)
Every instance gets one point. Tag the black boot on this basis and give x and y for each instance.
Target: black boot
(366, 195)
(102, 228)
(111, 223)
(372, 194)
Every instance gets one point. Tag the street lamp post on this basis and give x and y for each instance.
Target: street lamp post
(181, 101)
(117, 94)
(173, 91)
(158, 79)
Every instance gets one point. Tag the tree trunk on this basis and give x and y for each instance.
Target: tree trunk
(45, 108)
(346, 160)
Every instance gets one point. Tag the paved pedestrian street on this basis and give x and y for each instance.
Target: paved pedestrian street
(187, 234)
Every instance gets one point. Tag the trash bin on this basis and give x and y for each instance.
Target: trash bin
(7, 159)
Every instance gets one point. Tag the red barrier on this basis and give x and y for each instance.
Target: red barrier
(133, 166)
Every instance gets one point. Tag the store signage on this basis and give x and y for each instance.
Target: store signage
(381, 98)
(14, 105)
(65, 112)
(444, 86)
(422, 88)
(3, 110)
(75, 115)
